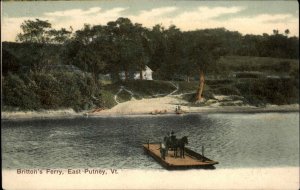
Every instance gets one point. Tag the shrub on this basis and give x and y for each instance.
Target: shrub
(18, 94)
(274, 91)
(107, 99)
(51, 91)
(48, 90)
(226, 90)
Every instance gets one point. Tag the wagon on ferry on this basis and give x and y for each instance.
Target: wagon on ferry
(191, 160)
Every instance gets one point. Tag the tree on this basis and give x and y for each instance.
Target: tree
(120, 35)
(157, 47)
(59, 36)
(187, 68)
(87, 51)
(130, 42)
(167, 51)
(142, 48)
(39, 35)
(275, 32)
(174, 51)
(203, 52)
(34, 31)
(287, 32)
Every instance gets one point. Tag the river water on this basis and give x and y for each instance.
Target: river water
(235, 140)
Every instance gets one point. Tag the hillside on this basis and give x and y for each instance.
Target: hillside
(265, 65)
(264, 81)
(70, 89)
(255, 92)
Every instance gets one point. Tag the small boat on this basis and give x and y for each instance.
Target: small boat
(179, 112)
(155, 112)
(191, 160)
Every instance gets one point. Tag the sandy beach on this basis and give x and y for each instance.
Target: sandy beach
(167, 105)
(151, 106)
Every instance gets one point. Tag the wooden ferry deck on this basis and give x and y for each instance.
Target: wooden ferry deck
(192, 159)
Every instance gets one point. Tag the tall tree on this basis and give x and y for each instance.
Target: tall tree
(131, 42)
(174, 51)
(122, 37)
(143, 48)
(45, 40)
(59, 36)
(157, 47)
(287, 32)
(88, 50)
(167, 51)
(34, 31)
(204, 51)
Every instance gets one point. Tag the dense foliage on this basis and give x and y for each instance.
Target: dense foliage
(51, 91)
(120, 46)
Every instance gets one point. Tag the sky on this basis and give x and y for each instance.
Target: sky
(246, 17)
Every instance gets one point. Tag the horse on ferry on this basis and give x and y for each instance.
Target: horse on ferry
(174, 144)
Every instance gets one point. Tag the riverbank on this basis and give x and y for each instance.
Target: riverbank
(167, 105)
(64, 113)
(153, 106)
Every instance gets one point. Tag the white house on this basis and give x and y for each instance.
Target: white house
(147, 74)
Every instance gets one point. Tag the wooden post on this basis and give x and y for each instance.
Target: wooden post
(148, 143)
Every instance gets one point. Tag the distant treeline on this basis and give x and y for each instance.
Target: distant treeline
(119, 47)
(125, 46)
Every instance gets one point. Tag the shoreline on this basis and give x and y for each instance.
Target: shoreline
(43, 114)
(70, 113)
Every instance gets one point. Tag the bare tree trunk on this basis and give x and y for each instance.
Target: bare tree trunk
(187, 78)
(199, 97)
(141, 74)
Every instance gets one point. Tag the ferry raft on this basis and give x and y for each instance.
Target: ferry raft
(191, 160)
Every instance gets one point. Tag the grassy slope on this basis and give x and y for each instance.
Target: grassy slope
(140, 89)
(270, 91)
(263, 64)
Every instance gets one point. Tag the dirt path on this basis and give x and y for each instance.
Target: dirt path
(120, 90)
(155, 95)
(176, 86)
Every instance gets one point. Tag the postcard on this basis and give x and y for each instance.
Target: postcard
(150, 94)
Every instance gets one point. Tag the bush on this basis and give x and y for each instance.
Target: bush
(124, 96)
(226, 90)
(51, 91)
(48, 90)
(187, 87)
(189, 97)
(69, 90)
(274, 91)
(108, 99)
(79, 91)
(18, 94)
